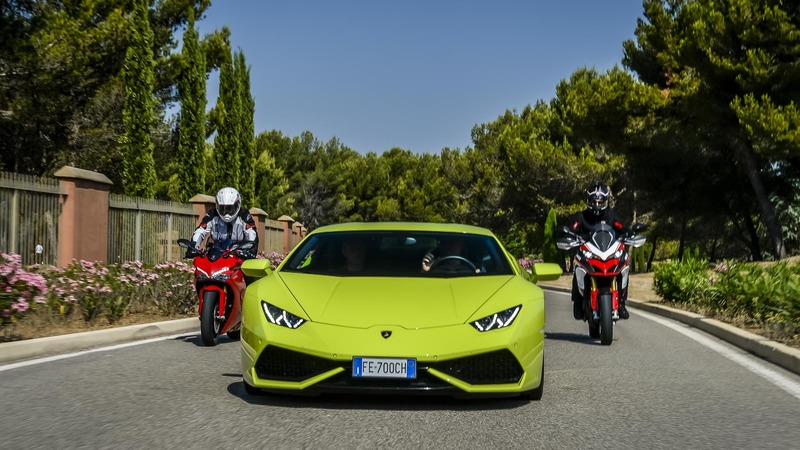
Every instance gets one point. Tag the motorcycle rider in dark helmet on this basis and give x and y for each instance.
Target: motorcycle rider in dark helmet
(228, 221)
(598, 198)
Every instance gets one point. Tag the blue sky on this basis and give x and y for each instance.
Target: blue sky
(412, 74)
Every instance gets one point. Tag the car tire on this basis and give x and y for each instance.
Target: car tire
(252, 390)
(535, 394)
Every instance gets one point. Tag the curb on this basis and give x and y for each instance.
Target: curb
(772, 351)
(52, 345)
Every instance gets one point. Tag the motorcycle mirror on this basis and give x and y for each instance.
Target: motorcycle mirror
(185, 243)
(566, 243)
(565, 229)
(636, 228)
(635, 241)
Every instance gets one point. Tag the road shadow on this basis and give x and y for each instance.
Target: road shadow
(579, 338)
(399, 402)
(198, 341)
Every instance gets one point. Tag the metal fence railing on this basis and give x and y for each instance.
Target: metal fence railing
(29, 211)
(147, 230)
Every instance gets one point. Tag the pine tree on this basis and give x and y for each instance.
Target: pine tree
(139, 173)
(191, 127)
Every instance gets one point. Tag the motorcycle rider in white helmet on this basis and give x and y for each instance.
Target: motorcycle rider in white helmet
(227, 222)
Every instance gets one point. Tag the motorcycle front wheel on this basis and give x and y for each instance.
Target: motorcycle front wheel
(606, 322)
(209, 327)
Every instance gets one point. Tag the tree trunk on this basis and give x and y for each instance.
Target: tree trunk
(745, 155)
(755, 247)
(652, 254)
(682, 241)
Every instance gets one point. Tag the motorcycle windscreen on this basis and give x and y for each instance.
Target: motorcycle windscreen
(603, 239)
(217, 249)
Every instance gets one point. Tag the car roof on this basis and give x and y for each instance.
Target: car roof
(404, 226)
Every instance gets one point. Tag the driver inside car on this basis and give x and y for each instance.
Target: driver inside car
(450, 254)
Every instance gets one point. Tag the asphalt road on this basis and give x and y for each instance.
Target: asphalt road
(660, 385)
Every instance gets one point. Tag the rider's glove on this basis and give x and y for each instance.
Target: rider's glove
(427, 260)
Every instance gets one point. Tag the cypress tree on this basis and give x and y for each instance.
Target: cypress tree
(191, 126)
(550, 252)
(226, 143)
(246, 131)
(138, 170)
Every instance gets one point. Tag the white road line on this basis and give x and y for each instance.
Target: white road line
(46, 359)
(748, 362)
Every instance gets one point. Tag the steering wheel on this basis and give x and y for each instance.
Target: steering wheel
(460, 259)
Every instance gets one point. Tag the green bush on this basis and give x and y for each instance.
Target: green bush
(681, 281)
(766, 294)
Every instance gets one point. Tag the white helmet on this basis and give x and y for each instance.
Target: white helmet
(228, 203)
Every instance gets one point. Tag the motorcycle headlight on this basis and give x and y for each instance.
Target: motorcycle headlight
(620, 251)
(281, 317)
(221, 275)
(200, 274)
(497, 320)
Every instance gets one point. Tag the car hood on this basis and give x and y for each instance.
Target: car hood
(363, 302)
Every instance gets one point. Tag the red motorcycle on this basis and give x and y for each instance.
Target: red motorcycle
(220, 286)
(601, 271)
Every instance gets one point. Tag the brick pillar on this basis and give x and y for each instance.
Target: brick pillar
(297, 233)
(83, 224)
(260, 217)
(201, 204)
(287, 233)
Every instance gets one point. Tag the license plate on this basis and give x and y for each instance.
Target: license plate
(384, 367)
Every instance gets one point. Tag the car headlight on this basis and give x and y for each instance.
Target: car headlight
(497, 320)
(281, 317)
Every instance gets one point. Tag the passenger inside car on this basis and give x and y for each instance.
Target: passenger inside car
(354, 251)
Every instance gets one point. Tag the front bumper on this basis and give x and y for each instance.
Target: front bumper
(454, 360)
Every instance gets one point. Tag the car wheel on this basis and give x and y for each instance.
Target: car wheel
(535, 394)
(251, 390)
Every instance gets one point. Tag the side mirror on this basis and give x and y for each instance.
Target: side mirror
(191, 252)
(545, 272)
(256, 268)
(638, 227)
(565, 229)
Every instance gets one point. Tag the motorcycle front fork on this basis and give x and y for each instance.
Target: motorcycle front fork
(614, 299)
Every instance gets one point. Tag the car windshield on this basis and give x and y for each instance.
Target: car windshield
(399, 253)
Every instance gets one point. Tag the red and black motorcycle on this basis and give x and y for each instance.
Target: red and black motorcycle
(601, 271)
(220, 286)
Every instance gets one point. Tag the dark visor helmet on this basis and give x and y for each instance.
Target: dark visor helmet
(597, 197)
(228, 203)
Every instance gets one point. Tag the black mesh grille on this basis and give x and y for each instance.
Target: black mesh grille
(276, 363)
(489, 368)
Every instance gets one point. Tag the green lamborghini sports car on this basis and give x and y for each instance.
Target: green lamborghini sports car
(395, 308)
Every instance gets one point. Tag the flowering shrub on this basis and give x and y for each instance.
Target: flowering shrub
(93, 289)
(528, 262)
(275, 259)
(19, 288)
